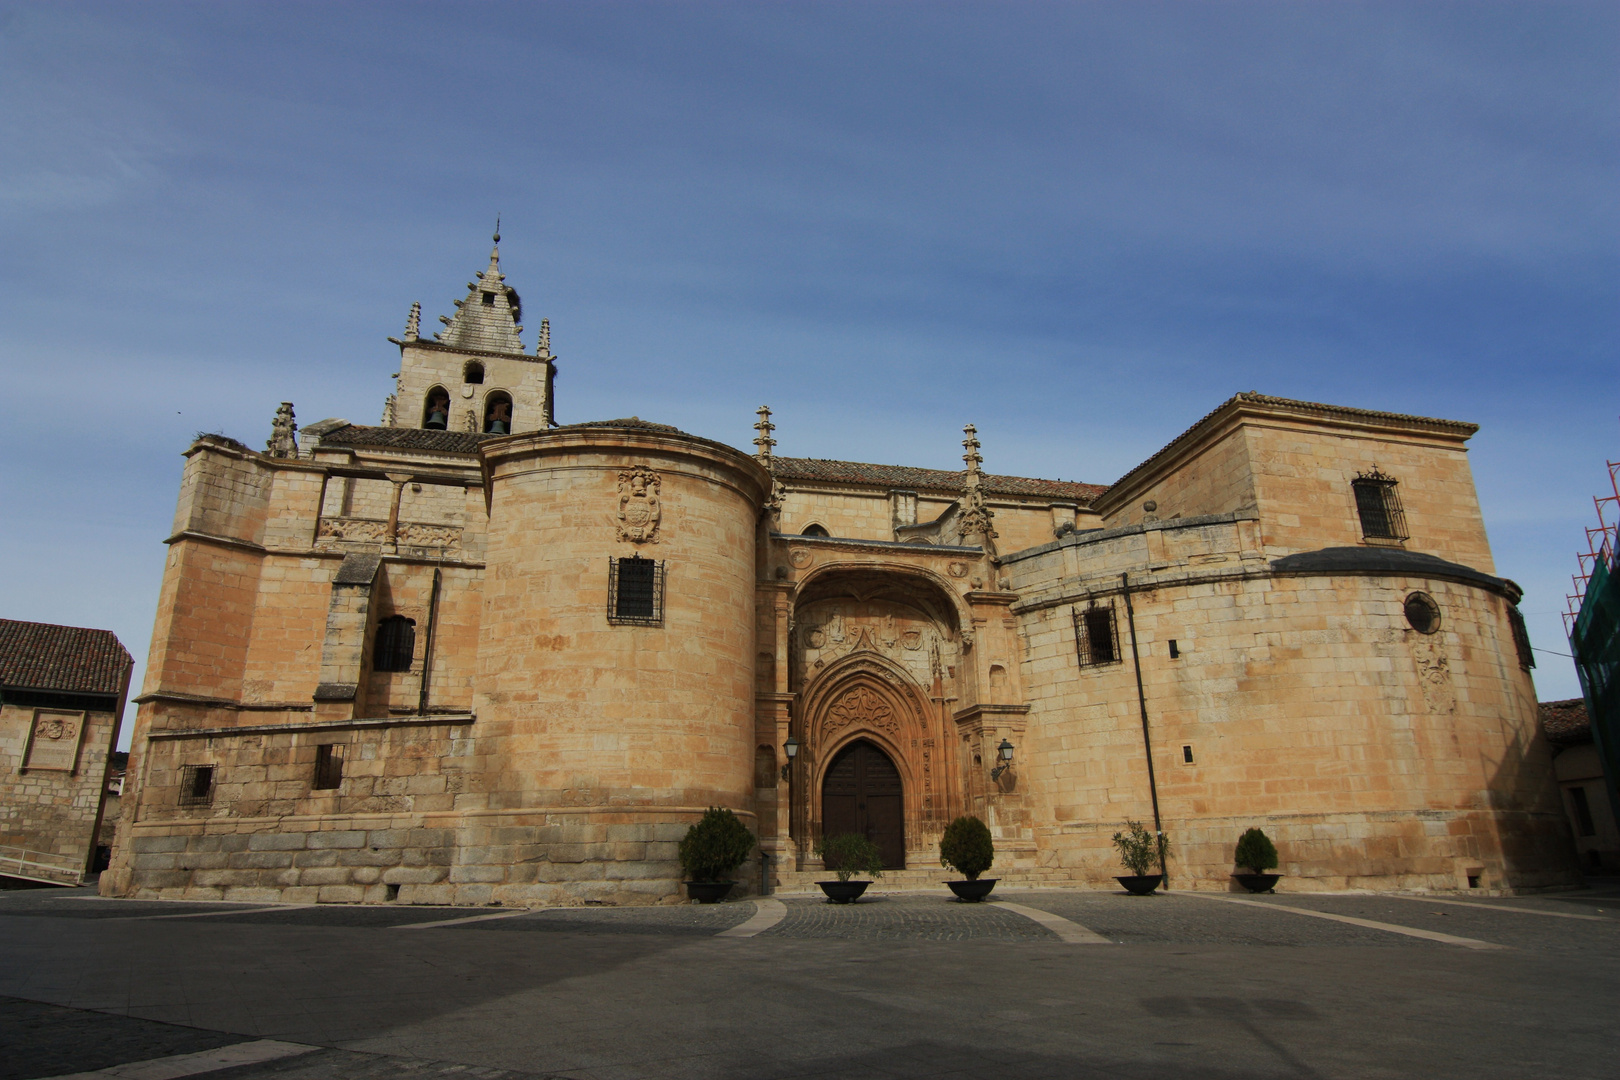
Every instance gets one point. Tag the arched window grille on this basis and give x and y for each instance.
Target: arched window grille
(395, 646)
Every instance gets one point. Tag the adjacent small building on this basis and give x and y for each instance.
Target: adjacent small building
(1580, 776)
(62, 694)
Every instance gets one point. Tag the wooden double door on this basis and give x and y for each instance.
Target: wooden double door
(862, 794)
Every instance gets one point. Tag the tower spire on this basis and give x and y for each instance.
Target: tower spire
(490, 317)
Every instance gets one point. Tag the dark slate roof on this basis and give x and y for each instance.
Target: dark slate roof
(43, 656)
(1566, 722)
(1386, 562)
(398, 438)
(904, 476)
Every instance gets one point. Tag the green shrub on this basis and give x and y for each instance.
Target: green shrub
(850, 853)
(1138, 848)
(1256, 851)
(966, 847)
(715, 846)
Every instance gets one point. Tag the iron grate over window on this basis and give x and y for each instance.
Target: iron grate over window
(1378, 504)
(395, 645)
(1096, 635)
(328, 767)
(1521, 639)
(636, 591)
(196, 785)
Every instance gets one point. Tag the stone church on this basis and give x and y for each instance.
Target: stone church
(471, 655)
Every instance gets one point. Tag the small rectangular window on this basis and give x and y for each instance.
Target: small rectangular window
(489, 299)
(1378, 504)
(196, 785)
(1521, 639)
(328, 767)
(636, 592)
(1174, 651)
(1186, 755)
(1096, 635)
(1583, 812)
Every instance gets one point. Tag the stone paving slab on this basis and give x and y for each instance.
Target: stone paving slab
(1165, 919)
(1514, 929)
(48, 1040)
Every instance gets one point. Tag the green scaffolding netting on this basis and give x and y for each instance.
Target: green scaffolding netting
(1595, 643)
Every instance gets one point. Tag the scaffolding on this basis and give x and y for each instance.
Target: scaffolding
(1592, 621)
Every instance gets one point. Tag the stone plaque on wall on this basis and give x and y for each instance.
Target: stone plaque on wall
(54, 742)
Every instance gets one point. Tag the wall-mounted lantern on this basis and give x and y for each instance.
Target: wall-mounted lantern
(791, 749)
(1005, 753)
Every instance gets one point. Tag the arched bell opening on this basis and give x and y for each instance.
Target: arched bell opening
(498, 413)
(473, 373)
(436, 409)
(862, 792)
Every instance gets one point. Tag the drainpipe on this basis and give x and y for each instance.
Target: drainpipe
(1147, 740)
(427, 650)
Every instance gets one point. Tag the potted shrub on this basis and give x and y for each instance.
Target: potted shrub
(1257, 854)
(710, 853)
(967, 848)
(1138, 850)
(847, 854)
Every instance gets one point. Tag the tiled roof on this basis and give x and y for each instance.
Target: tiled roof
(904, 476)
(398, 438)
(43, 656)
(1566, 722)
(635, 422)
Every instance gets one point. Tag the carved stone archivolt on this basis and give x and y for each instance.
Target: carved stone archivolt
(829, 630)
(640, 510)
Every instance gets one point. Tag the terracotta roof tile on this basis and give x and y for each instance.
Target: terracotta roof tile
(445, 442)
(43, 656)
(904, 476)
(1566, 722)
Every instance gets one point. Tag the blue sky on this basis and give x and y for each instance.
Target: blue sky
(1079, 226)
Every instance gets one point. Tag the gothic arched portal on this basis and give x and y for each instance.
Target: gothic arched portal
(862, 793)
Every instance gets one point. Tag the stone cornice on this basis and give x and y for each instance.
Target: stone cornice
(324, 725)
(436, 346)
(847, 543)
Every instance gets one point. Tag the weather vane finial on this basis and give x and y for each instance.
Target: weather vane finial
(497, 227)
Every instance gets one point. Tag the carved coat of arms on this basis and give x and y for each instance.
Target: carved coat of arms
(639, 508)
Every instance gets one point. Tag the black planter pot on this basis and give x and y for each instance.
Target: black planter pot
(1258, 882)
(709, 892)
(973, 891)
(1140, 885)
(843, 892)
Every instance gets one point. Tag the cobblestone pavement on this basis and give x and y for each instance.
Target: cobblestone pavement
(904, 917)
(902, 985)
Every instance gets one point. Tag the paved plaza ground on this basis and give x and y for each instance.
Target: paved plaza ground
(1041, 983)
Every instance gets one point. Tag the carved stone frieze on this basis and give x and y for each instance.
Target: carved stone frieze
(861, 707)
(362, 530)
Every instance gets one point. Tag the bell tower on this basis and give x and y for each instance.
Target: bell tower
(473, 375)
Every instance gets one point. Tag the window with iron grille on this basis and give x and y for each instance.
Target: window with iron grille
(196, 785)
(1096, 635)
(328, 767)
(1378, 504)
(636, 592)
(395, 645)
(1521, 639)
